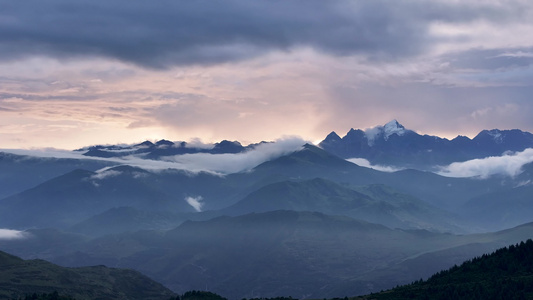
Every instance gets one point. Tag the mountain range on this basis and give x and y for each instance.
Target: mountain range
(392, 144)
(298, 254)
(406, 199)
(304, 222)
(164, 148)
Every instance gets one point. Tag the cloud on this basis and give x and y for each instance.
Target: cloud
(165, 33)
(250, 70)
(48, 153)
(105, 173)
(517, 54)
(365, 163)
(200, 162)
(195, 202)
(232, 163)
(10, 234)
(508, 164)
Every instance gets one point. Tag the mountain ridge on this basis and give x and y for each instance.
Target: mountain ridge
(20, 277)
(503, 274)
(393, 144)
(390, 144)
(298, 254)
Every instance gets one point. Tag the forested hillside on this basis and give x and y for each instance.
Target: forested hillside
(505, 274)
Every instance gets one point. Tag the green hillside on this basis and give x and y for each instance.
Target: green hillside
(19, 278)
(505, 274)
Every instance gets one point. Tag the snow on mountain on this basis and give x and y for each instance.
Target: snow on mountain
(393, 144)
(393, 127)
(496, 135)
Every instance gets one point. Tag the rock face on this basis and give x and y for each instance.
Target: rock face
(393, 144)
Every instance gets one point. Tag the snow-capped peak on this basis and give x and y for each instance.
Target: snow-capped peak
(393, 127)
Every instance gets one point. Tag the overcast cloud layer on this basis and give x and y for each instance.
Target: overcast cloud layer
(168, 33)
(78, 73)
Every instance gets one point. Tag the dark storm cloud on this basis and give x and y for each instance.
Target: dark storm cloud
(159, 34)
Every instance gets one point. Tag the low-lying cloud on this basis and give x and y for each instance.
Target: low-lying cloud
(508, 164)
(195, 202)
(199, 162)
(365, 163)
(233, 163)
(105, 173)
(10, 234)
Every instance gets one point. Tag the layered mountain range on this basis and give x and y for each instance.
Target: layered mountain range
(305, 223)
(390, 144)
(164, 148)
(393, 144)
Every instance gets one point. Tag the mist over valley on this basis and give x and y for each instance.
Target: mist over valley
(281, 218)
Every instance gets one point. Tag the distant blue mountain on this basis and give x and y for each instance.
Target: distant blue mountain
(164, 148)
(393, 144)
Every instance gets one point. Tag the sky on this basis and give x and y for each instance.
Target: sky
(78, 73)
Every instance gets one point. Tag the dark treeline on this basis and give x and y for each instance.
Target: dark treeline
(507, 273)
(46, 296)
(276, 298)
(198, 295)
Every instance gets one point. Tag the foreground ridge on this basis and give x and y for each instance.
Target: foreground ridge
(20, 278)
(507, 273)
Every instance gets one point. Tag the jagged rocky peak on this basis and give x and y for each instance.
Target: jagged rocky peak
(146, 144)
(333, 136)
(225, 143)
(393, 127)
(393, 144)
(226, 146)
(164, 143)
(354, 134)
